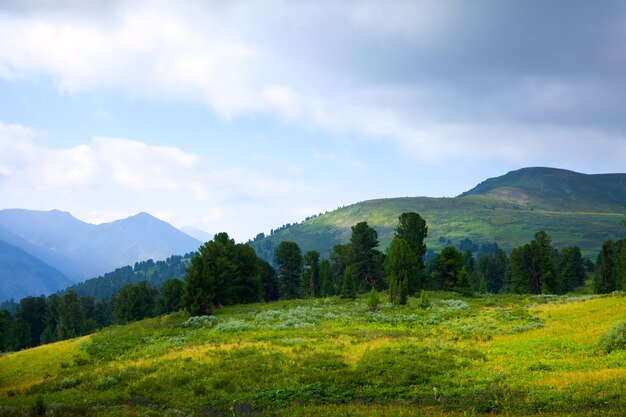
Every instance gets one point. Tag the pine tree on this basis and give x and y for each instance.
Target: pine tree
(400, 264)
(348, 286)
(288, 257)
(412, 228)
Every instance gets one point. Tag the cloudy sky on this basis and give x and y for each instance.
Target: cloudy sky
(241, 116)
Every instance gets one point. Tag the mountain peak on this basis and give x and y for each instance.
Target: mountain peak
(554, 187)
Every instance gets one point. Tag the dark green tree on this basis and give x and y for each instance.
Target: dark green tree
(288, 257)
(339, 259)
(170, 296)
(492, 268)
(365, 259)
(412, 228)
(468, 260)
(571, 269)
(533, 267)
(5, 323)
(269, 282)
(33, 311)
(605, 279)
(134, 302)
(544, 256)
(311, 274)
(70, 319)
(348, 285)
(400, 264)
(221, 273)
(20, 335)
(327, 282)
(450, 270)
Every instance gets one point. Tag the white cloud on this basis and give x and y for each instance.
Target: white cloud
(108, 178)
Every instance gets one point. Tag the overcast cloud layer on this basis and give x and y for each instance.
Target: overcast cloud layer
(439, 92)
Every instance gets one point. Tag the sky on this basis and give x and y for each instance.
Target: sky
(241, 116)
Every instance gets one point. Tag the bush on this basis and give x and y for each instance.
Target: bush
(105, 383)
(200, 321)
(69, 383)
(424, 301)
(454, 304)
(233, 326)
(373, 300)
(614, 339)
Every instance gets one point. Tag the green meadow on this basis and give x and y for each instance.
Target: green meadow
(511, 355)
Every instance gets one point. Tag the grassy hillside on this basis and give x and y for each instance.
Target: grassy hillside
(575, 209)
(512, 355)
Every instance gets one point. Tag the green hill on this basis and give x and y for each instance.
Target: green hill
(496, 355)
(573, 208)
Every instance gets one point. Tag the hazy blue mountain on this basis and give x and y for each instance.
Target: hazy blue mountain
(21, 274)
(201, 235)
(81, 250)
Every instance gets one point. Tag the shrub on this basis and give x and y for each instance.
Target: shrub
(105, 383)
(424, 301)
(373, 300)
(233, 325)
(614, 339)
(69, 383)
(200, 321)
(454, 304)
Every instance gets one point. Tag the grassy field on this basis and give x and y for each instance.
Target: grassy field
(505, 355)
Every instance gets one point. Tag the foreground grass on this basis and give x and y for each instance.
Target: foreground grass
(508, 355)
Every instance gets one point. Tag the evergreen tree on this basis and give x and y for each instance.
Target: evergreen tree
(450, 269)
(339, 259)
(364, 258)
(170, 296)
(468, 260)
(221, 273)
(492, 269)
(20, 335)
(327, 283)
(5, 323)
(311, 274)
(33, 311)
(268, 281)
(571, 268)
(70, 319)
(348, 286)
(199, 290)
(544, 260)
(400, 264)
(522, 271)
(288, 257)
(605, 280)
(412, 228)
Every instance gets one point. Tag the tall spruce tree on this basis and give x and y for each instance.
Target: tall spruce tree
(288, 257)
(311, 274)
(605, 280)
(400, 264)
(412, 228)
(348, 285)
(364, 257)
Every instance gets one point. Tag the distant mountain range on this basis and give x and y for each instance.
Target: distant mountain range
(49, 250)
(575, 209)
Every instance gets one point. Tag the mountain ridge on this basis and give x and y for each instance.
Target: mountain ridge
(574, 208)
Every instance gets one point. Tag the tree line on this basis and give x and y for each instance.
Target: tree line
(223, 272)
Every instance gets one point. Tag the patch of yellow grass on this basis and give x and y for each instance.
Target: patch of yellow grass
(22, 369)
(562, 379)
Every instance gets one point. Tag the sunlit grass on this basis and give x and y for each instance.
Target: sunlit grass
(510, 354)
